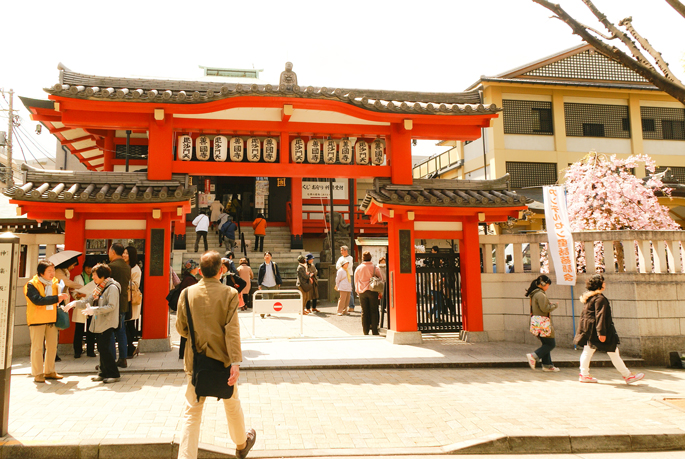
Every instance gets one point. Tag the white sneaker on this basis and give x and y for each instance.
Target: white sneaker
(552, 368)
(531, 361)
(634, 378)
(587, 379)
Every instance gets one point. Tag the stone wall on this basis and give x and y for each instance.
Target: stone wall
(648, 311)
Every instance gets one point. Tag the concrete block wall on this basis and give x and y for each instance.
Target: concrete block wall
(648, 311)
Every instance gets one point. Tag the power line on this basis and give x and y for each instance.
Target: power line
(21, 140)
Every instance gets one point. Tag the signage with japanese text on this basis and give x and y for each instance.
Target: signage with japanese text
(220, 148)
(330, 151)
(321, 190)
(202, 148)
(237, 150)
(345, 151)
(561, 249)
(313, 151)
(297, 150)
(254, 149)
(185, 148)
(377, 152)
(269, 150)
(361, 150)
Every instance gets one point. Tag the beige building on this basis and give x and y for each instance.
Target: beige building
(555, 111)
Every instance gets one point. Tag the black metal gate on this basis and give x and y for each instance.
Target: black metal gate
(438, 292)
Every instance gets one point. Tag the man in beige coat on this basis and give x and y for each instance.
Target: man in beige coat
(217, 335)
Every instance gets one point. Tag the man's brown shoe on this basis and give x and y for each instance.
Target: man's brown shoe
(39, 378)
(53, 376)
(251, 438)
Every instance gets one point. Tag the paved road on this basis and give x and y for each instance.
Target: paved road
(354, 409)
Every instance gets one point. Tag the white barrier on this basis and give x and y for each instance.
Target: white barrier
(277, 305)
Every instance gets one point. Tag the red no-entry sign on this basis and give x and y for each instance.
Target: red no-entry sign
(277, 306)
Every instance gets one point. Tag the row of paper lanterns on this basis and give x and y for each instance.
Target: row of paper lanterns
(235, 149)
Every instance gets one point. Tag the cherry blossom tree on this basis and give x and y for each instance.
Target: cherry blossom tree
(603, 194)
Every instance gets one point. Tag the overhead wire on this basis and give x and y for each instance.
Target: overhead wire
(21, 140)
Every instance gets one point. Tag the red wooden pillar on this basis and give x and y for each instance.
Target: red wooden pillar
(160, 150)
(155, 307)
(74, 239)
(399, 154)
(472, 298)
(403, 286)
(296, 217)
(109, 151)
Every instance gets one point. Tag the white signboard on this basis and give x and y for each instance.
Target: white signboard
(361, 150)
(561, 248)
(345, 151)
(297, 150)
(269, 150)
(254, 149)
(330, 151)
(377, 152)
(314, 151)
(5, 294)
(237, 149)
(202, 148)
(220, 148)
(321, 190)
(185, 148)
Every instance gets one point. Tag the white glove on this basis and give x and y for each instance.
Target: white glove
(88, 311)
(68, 307)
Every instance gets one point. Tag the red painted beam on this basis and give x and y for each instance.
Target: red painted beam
(246, 169)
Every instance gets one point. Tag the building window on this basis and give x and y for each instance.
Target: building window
(524, 175)
(527, 117)
(597, 120)
(663, 123)
(677, 172)
(593, 130)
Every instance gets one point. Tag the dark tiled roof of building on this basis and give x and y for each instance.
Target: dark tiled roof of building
(446, 193)
(99, 187)
(141, 90)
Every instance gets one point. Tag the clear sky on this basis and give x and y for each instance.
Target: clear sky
(429, 45)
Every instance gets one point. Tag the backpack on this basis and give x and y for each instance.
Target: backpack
(172, 298)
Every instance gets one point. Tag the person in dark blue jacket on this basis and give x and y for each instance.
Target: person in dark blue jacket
(269, 278)
(227, 231)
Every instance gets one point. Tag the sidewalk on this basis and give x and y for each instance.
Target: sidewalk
(342, 395)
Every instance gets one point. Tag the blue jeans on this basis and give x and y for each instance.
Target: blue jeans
(438, 303)
(352, 293)
(544, 351)
(119, 336)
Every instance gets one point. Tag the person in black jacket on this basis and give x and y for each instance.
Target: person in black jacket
(268, 278)
(596, 331)
(121, 272)
(233, 280)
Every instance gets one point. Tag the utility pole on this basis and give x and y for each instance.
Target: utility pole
(9, 177)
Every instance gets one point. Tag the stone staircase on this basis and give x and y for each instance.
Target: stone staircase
(277, 241)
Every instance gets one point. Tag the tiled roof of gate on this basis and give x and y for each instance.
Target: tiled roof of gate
(99, 187)
(142, 90)
(446, 193)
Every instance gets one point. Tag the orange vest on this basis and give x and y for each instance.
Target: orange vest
(37, 315)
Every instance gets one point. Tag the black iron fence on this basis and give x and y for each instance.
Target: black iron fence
(438, 292)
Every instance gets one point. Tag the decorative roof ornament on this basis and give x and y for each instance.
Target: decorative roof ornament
(288, 78)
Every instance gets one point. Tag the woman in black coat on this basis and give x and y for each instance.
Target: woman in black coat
(596, 331)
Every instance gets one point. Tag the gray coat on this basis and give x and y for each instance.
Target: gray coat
(106, 307)
(540, 306)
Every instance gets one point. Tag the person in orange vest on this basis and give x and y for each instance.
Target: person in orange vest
(259, 226)
(42, 300)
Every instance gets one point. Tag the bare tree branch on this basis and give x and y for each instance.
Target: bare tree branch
(658, 58)
(618, 33)
(678, 6)
(674, 89)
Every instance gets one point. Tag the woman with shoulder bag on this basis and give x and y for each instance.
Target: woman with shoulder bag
(304, 283)
(541, 323)
(135, 297)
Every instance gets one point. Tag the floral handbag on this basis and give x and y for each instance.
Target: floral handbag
(540, 325)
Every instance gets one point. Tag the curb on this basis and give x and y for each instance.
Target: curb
(634, 362)
(167, 448)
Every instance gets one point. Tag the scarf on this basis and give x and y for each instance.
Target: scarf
(99, 288)
(47, 283)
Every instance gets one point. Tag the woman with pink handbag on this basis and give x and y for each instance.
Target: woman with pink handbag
(541, 324)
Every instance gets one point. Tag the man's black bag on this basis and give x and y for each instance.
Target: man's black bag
(210, 377)
(172, 297)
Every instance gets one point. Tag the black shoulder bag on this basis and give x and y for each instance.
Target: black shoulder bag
(210, 377)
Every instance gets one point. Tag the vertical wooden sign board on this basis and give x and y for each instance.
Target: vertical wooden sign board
(157, 252)
(406, 252)
(9, 262)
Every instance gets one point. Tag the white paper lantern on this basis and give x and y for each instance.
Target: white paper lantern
(237, 149)
(202, 148)
(269, 150)
(254, 149)
(185, 148)
(330, 151)
(220, 148)
(297, 150)
(361, 150)
(345, 151)
(377, 152)
(313, 151)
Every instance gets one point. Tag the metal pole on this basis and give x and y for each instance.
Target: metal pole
(9, 180)
(128, 142)
(350, 192)
(331, 228)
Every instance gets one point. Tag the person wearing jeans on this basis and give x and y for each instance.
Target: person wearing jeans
(596, 332)
(121, 272)
(201, 224)
(540, 306)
